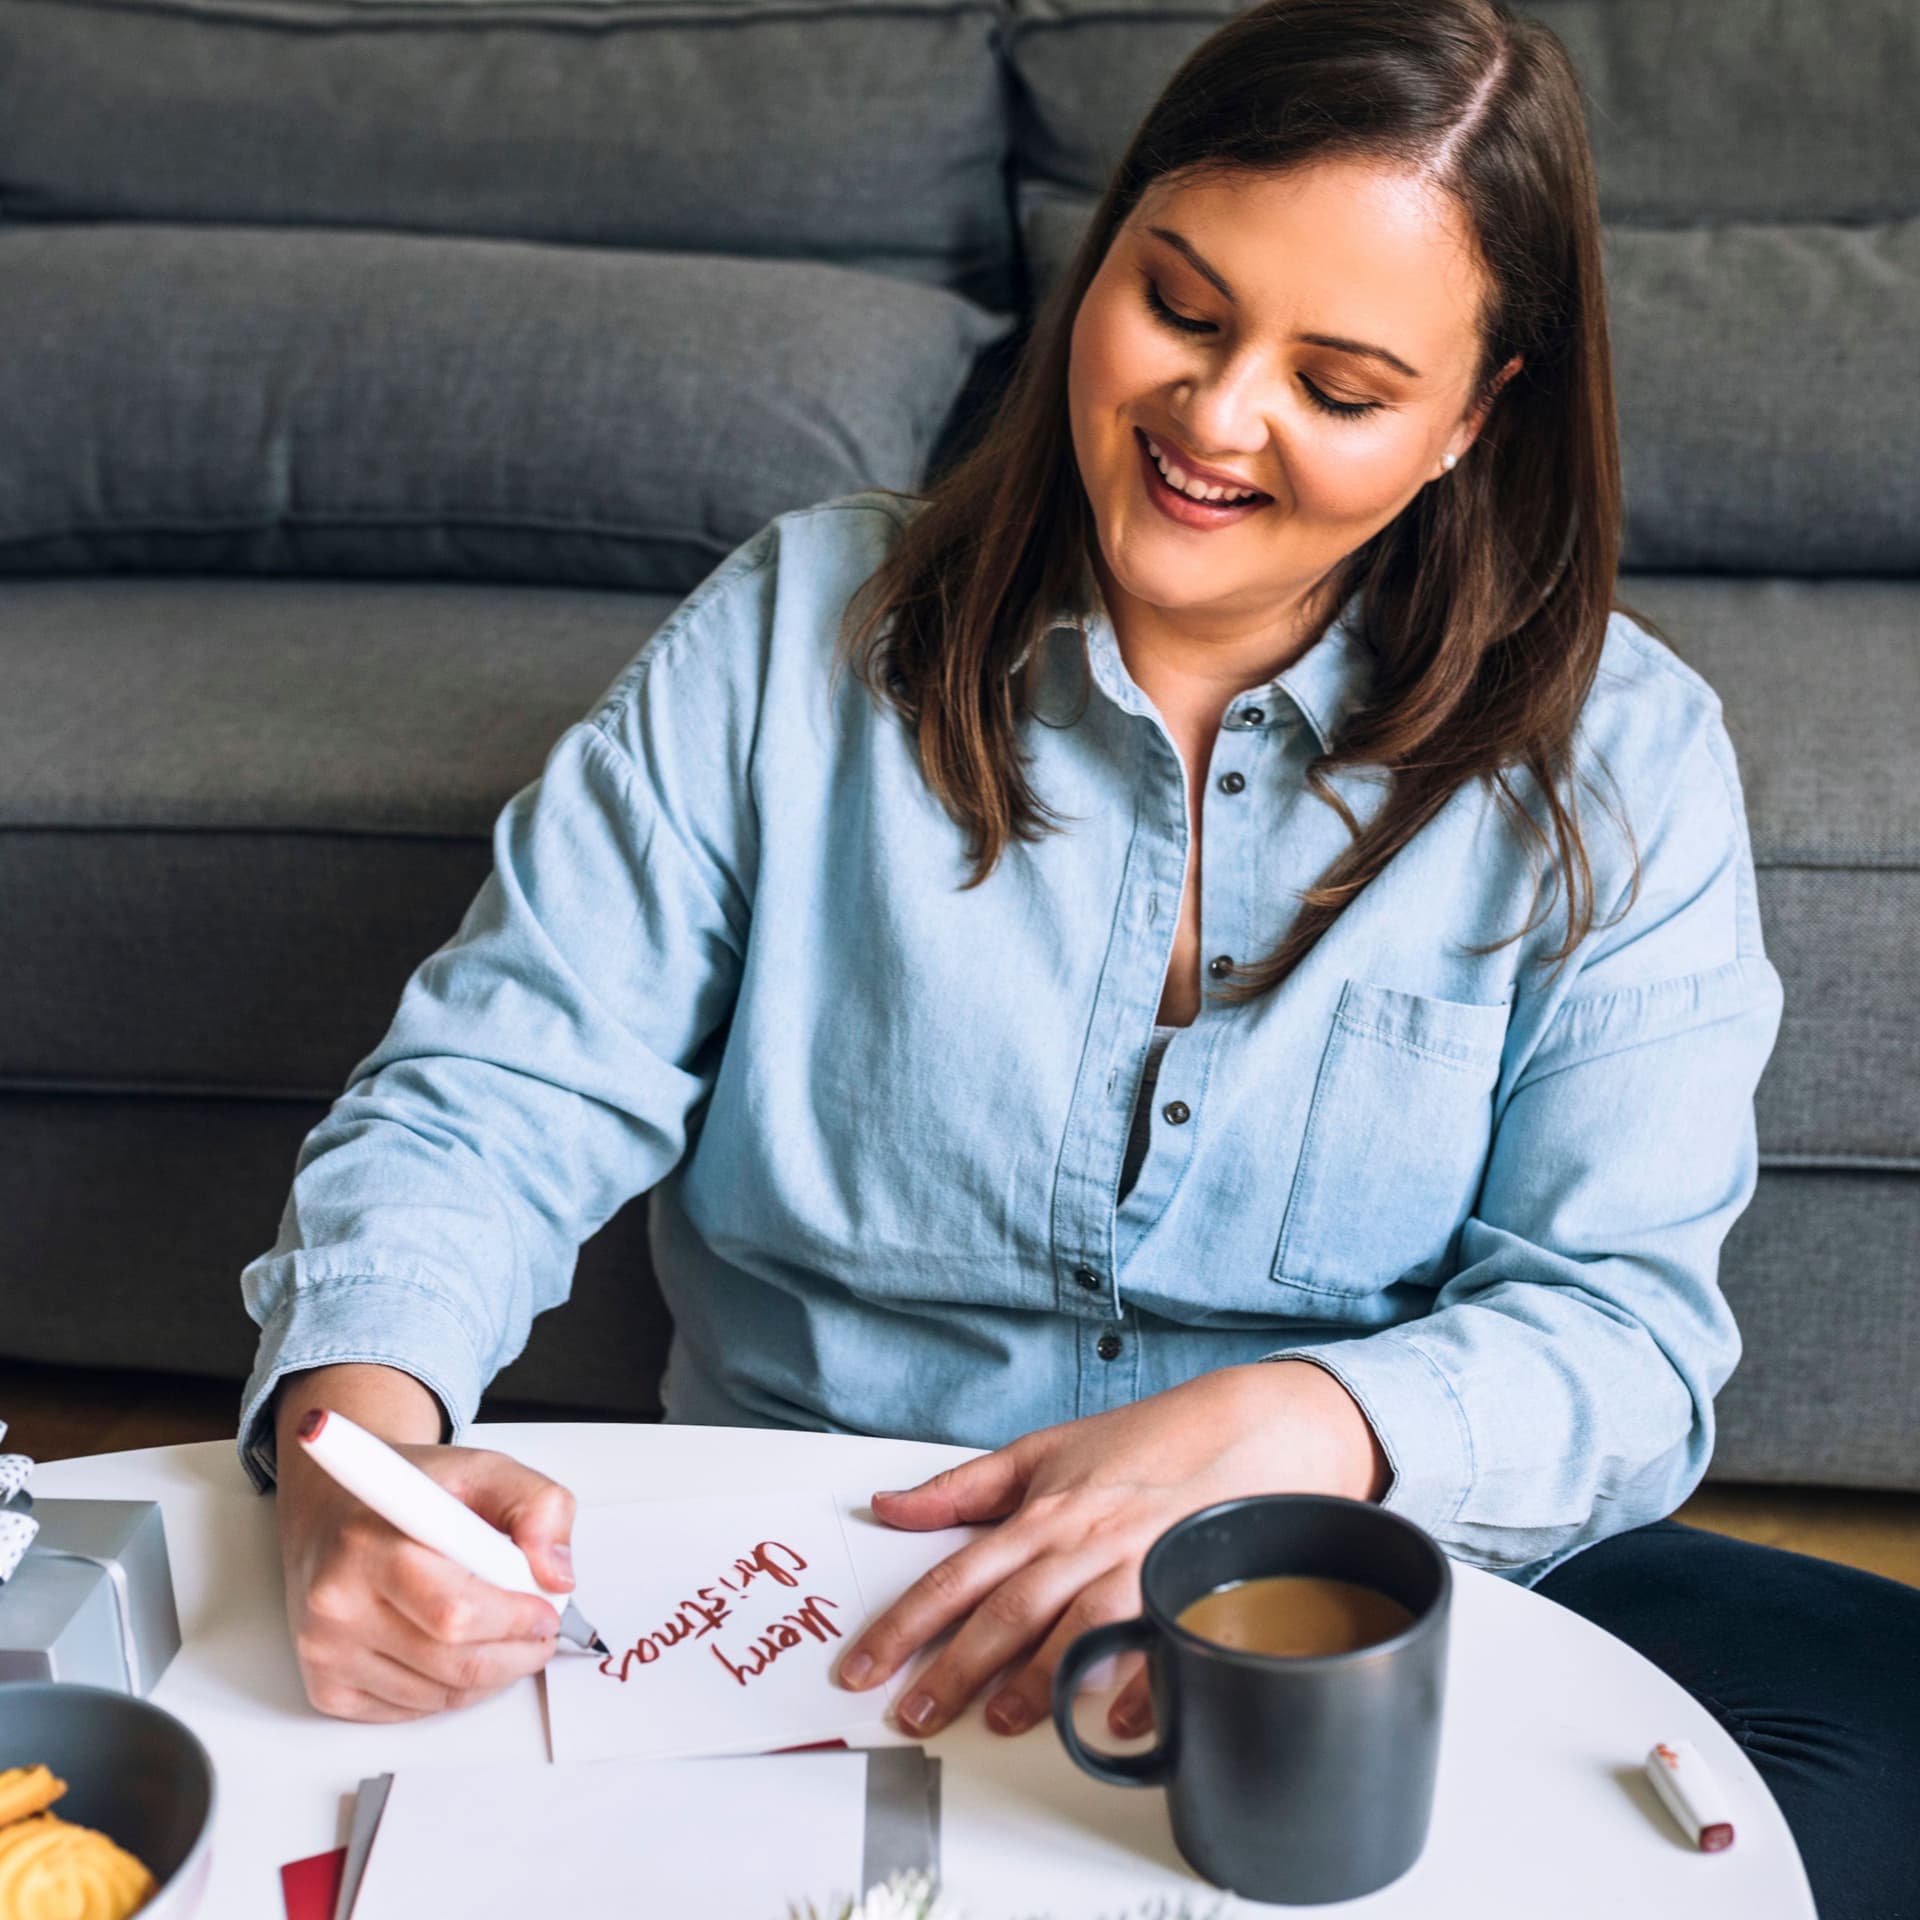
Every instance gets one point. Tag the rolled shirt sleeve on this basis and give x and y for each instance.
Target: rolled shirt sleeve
(543, 1065)
(1561, 1388)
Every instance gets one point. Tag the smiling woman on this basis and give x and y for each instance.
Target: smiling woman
(1346, 243)
(1216, 715)
(1187, 388)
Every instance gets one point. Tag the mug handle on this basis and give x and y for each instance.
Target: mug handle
(1120, 1769)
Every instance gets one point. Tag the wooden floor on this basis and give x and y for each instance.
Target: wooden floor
(55, 1413)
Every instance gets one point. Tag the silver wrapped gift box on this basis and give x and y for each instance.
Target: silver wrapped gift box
(92, 1598)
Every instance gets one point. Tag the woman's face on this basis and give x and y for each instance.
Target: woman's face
(1331, 378)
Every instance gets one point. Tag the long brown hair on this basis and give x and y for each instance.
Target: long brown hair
(1484, 603)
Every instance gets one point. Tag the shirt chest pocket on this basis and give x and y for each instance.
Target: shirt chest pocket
(1396, 1141)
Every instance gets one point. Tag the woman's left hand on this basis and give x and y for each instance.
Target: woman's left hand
(1081, 1503)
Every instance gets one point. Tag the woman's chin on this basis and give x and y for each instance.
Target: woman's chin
(1166, 572)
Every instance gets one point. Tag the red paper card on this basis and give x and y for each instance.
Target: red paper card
(311, 1886)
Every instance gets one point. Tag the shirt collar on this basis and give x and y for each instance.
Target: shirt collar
(1323, 687)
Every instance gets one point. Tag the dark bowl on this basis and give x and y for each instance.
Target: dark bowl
(132, 1770)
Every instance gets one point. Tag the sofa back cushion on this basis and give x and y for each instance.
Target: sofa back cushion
(1759, 171)
(1698, 110)
(867, 133)
(214, 399)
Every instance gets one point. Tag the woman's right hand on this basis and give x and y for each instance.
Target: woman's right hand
(384, 1628)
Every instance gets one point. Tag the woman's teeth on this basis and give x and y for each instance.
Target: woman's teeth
(1194, 489)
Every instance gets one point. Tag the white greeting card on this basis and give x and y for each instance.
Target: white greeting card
(727, 1620)
(623, 1839)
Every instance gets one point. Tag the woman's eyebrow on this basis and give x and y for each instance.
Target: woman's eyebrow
(1336, 341)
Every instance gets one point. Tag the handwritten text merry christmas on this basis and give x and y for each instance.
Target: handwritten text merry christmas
(711, 1606)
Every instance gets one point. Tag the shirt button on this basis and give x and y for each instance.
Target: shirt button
(1220, 965)
(1232, 782)
(1086, 1277)
(1177, 1113)
(1254, 715)
(1109, 1347)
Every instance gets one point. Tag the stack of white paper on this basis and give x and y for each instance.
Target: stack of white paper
(620, 1839)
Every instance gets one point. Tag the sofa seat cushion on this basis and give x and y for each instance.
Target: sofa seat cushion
(178, 1193)
(868, 132)
(1821, 685)
(256, 400)
(234, 815)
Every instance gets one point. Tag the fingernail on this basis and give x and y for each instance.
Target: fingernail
(856, 1669)
(889, 1493)
(1131, 1719)
(920, 1712)
(1009, 1714)
(562, 1555)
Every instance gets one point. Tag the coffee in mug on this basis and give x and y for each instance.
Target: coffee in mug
(1296, 1649)
(1295, 1615)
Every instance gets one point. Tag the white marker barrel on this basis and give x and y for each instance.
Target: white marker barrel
(416, 1503)
(1691, 1794)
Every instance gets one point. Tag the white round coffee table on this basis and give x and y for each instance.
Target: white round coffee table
(1541, 1806)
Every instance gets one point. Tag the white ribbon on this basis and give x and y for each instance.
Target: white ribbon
(16, 1535)
(16, 1529)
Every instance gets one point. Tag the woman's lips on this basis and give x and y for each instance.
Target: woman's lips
(1204, 515)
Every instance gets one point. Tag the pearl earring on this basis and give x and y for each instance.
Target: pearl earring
(1447, 461)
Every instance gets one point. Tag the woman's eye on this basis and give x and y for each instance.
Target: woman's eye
(1340, 409)
(1166, 315)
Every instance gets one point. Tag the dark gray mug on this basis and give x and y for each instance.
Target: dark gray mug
(1293, 1778)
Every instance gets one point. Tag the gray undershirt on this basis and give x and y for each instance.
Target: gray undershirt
(1142, 1129)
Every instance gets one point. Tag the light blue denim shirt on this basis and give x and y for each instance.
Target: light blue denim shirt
(725, 954)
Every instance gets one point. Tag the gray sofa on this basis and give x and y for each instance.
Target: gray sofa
(374, 379)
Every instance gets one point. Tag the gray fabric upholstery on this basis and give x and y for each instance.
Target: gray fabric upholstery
(1821, 685)
(235, 814)
(1820, 1274)
(184, 399)
(125, 1219)
(1823, 321)
(1759, 171)
(867, 132)
(1698, 110)
(308, 706)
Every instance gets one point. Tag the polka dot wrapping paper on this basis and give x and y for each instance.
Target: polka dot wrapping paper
(16, 1535)
(17, 1527)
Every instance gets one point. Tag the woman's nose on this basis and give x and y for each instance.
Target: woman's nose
(1226, 420)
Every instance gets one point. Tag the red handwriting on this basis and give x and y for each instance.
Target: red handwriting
(782, 1635)
(706, 1609)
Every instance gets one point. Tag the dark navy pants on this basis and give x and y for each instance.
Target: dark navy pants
(1814, 1669)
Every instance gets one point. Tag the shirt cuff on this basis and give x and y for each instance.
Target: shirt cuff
(354, 1319)
(1414, 1413)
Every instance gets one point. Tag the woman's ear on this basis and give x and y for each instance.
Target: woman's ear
(1478, 418)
